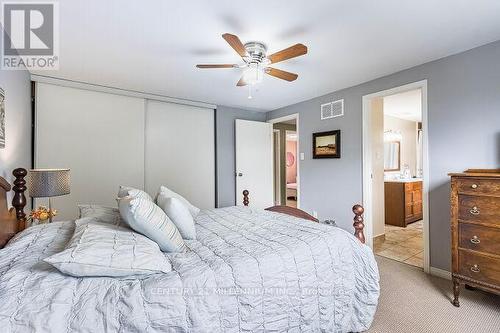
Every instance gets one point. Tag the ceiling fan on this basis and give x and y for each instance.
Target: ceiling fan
(256, 61)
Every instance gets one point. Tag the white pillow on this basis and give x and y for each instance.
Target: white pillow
(147, 218)
(169, 193)
(179, 214)
(126, 191)
(102, 249)
(101, 213)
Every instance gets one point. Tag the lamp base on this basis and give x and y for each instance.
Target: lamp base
(50, 210)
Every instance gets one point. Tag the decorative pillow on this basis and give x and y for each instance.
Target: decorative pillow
(101, 213)
(147, 218)
(179, 214)
(169, 193)
(101, 249)
(126, 191)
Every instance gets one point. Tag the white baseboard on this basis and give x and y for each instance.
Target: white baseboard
(440, 273)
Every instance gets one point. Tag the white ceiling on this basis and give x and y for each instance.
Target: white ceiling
(153, 46)
(407, 105)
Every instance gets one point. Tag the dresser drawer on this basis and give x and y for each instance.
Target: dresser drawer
(479, 186)
(479, 267)
(479, 238)
(479, 209)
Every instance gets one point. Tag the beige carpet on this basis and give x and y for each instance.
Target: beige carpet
(412, 301)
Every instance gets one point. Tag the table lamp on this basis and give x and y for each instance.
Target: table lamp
(47, 183)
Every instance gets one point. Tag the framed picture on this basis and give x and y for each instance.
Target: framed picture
(2, 118)
(326, 144)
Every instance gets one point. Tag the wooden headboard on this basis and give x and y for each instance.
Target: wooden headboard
(12, 220)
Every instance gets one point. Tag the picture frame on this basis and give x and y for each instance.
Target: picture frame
(326, 144)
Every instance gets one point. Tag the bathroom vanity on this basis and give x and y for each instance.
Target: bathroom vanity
(403, 201)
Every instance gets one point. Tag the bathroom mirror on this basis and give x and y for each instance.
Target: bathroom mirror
(392, 156)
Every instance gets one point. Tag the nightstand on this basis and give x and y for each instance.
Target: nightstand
(8, 228)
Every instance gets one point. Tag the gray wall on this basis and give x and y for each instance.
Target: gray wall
(225, 136)
(464, 132)
(17, 151)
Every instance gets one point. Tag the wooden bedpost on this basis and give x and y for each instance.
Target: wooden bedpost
(19, 199)
(358, 211)
(245, 198)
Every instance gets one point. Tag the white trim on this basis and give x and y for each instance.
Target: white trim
(117, 91)
(367, 167)
(276, 171)
(440, 273)
(297, 125)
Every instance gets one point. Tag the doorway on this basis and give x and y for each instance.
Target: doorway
(395, 173)
(286, 161)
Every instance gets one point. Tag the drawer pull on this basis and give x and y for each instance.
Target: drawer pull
(475, 240)
(474, 211)
(474, 186)
(475, 268)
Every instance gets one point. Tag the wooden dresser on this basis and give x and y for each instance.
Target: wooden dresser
(403, 202)
(475, 230)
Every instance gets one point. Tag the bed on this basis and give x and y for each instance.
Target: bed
(249, 270)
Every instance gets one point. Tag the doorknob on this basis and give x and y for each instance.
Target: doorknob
(239, 174)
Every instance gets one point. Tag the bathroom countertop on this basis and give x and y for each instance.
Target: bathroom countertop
(407, 180)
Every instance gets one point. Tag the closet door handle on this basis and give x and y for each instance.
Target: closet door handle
(239, 174)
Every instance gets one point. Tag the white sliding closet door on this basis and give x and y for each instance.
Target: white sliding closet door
(99, 136)
(180, 151)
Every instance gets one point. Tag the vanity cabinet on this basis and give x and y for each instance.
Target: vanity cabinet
(403, 202)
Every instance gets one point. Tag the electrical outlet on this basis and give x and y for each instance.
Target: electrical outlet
(301, 156)
(315, 214)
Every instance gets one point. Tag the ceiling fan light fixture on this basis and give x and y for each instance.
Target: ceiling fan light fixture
(253, 74)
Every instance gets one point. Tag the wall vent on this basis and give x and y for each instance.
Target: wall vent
(332, 110)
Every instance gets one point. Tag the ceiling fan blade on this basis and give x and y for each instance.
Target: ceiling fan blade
(241, 83)
(216, 66)
(236, 44)
(288, 53)
(281, 74)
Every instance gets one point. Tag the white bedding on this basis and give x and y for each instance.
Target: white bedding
(248, 271)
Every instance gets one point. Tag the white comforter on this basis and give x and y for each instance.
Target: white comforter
(248, 271)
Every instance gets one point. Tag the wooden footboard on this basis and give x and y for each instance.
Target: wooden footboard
(358, 211)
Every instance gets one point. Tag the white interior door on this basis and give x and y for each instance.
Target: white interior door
(254, 162)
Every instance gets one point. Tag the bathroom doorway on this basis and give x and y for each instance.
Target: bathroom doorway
(286, 161)
(395, 183)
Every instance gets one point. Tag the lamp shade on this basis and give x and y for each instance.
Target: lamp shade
(45, 183)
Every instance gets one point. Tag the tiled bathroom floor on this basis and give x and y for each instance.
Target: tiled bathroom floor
(402, 244)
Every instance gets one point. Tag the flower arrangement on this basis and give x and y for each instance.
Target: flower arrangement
(42, 214)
